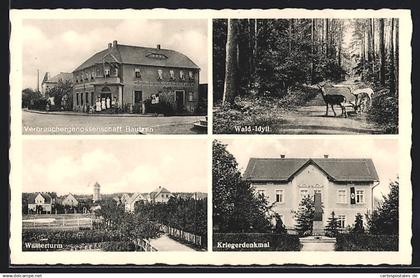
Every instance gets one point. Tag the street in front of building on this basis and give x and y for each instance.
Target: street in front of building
(58, 123)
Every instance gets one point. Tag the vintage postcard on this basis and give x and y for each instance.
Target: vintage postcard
(275, 137)
(99, 76)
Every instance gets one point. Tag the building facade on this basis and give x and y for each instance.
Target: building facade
(345, 185)
(50, 82)
(40, 203)
(70, 200)
(125, 77)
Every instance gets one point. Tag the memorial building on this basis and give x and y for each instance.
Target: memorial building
(342, 186)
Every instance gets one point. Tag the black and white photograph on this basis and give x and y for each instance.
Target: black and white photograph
(306, 76)
(114, 76)
(91, 195)
(305, 195)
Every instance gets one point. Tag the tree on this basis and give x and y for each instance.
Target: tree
(382, 50)
(236, 206)
(384, 219)
(304, 216)
(63, 94)
(231, 80)
(279, 227)
(358, 225)
(331, 229)
(30, 97)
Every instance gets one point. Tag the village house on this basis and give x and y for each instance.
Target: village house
(345, 185)
(40, 203)
(50, 82)
(69, 200)
(125, 76)
(159, 195)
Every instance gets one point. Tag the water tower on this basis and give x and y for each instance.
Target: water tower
(96, 192)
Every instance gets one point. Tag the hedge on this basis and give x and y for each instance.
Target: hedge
(70, 237)
(366, 242)
(255, 242)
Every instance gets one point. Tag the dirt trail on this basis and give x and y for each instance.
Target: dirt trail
(312, 120)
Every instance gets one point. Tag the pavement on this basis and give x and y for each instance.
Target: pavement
(165, 243)
(320, 243)
(79, 123)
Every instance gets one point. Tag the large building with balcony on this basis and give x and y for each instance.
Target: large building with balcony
(345, 185)
(125, 77)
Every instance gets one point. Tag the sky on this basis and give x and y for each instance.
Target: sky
(123, 165)
(379, 150)
(55, 46)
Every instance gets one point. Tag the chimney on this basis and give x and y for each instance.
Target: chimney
(109, 45)
(282, 156)
(114, 44)
(158, 46)
(325, 155)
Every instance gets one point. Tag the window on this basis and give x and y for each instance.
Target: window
(172, 74)
(280, 196)
(137, 73)
(360, 197)
(86, 76)
(341, 219)
(87, 98)
(138, 96)
(190, 75)
(160, 75)
(181, 75)
(77, 99)
(107, 72)
(81, 98)
(190, 96)
(341, 196)
(304, 193)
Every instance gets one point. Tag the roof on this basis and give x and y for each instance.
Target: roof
(284, 169)
(158, 191)
(136, 55)
(64, 76)
(135, 197)
(46, 196)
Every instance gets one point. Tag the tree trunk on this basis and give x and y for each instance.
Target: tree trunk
(326, 37)
(369, 43)
(255, 45)
(397, 54)
(290, 35)
(312, 50)
(373, 47)
(229, 91)
(391, 60)
(382, 50)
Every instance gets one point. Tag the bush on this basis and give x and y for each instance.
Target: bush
(273, 242)
(119, 246)
(366, 242)
(384, 111)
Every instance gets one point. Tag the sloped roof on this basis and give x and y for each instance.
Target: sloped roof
(46, 196)
(135, 197)
(64, 76)
(136, 55)
(283, 169)
(158, 191)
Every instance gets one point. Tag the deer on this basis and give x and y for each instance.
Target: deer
(341, 96)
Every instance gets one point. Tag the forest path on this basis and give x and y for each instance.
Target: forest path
(312, 120)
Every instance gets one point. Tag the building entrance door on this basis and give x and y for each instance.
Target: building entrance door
(179, 100)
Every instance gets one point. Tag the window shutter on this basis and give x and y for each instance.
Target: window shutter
(352, 196)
